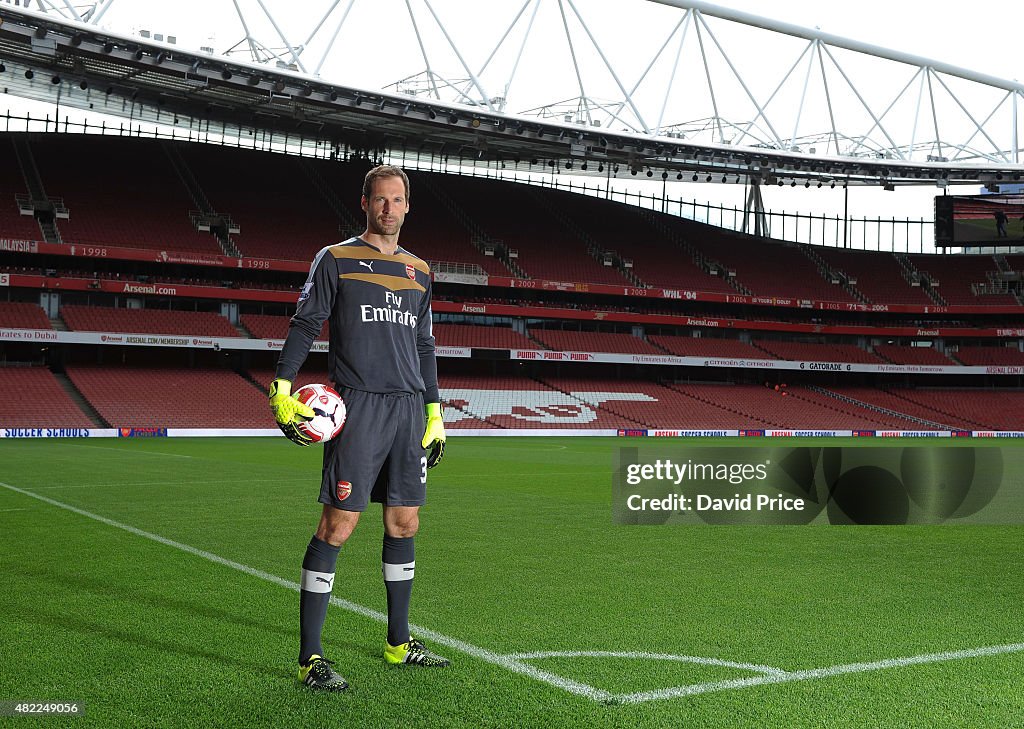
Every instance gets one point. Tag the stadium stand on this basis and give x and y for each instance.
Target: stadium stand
(800, 409)
(1015, 263)
(619, 228)
(851, 415)
(813, 352)
(567, 341)
(148, 321)
(263, 377)
(512, 402)
(433, 233)
(893, 400)
(997, 409)
(879, 276)
(14, 225)
(707, 347)
(267, 326)
(22, 315)
(770, 268)
(151, 212)
(602, 403)
(900, 354)
(198, 401)
(280, 212)
(512, 214)
(51, 406)
(482, 337)
(643, 403)
(1000, 355)
(559, 236)
(960, 276)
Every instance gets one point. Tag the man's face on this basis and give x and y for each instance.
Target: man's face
(386, 207)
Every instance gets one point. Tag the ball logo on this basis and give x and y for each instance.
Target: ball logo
(410, 271)
(324, 399)
(343, 490)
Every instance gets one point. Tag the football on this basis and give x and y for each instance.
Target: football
(329, 409)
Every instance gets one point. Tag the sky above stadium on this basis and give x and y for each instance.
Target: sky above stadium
(375, 48)
(982, 37)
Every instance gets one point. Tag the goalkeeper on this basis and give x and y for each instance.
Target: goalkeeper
(376, 296)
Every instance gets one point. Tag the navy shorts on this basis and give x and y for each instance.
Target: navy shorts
(377, 456)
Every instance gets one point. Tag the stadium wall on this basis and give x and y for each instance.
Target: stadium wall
(510, 432)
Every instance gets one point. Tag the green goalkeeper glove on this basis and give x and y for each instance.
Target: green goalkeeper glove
(433, 435)
(289, 412)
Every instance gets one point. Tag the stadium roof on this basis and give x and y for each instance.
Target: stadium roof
(74, 63)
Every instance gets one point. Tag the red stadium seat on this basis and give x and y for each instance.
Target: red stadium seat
(19, 315)
(199, 397)
(41, 402)
(148, 321)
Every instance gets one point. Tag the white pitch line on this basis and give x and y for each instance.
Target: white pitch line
(738, 683)
(127, 452)
(644, 656)
(119, 484)
(510, 664)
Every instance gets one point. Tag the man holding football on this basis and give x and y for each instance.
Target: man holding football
(381, 360)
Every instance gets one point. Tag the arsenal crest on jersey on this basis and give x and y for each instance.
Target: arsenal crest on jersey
(410, 271)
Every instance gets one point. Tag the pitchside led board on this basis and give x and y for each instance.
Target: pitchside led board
(973, 220)
(771, 485)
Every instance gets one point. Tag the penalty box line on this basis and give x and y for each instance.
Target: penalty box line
(515, 662)
(504, 661)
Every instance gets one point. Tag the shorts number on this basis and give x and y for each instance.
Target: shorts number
(423, 469)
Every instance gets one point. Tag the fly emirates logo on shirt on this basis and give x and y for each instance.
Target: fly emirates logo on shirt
(391, 312)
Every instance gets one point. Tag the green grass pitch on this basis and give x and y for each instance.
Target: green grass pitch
(516, 555)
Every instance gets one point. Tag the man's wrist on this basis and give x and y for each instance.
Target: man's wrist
(433, 409)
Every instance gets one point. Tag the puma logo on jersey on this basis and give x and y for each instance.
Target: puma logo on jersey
(368, 265)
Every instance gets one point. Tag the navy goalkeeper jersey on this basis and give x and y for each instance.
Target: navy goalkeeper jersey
(379, 308)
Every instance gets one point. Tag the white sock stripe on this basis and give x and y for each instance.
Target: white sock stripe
(399, 572)
(316, 581)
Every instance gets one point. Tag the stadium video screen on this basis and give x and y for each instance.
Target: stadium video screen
(964, 220)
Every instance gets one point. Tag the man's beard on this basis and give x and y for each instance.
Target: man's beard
(386, 229)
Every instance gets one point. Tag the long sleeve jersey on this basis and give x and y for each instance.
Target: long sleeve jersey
(379, 308)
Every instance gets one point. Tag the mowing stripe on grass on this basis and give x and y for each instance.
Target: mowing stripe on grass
(704, 688)
(506, 662)
(125, 452)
